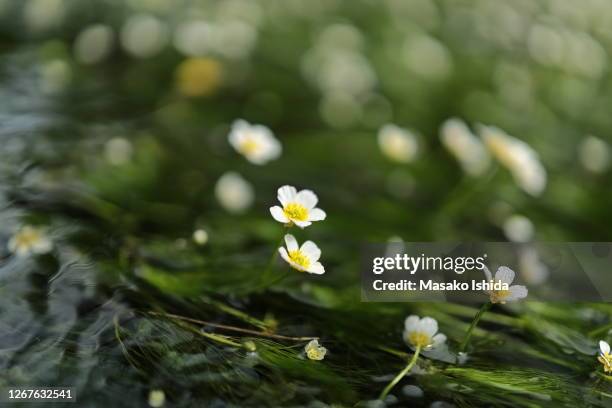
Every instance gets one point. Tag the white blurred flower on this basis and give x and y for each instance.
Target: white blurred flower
(347, 72)
(234, 193)
(314, 351)
(200, 236)
(193, 38)
(240, 10)
(118, 151)
(29, 240)
(427, 57)
(335, 64)
(594, 154)
(55, 76)
(397, 143)
(604, 356)
(93, 44)
(234, 39)
(144, 35)
(422, 333)
(584, 55)
(255, 142)
(40, 15)
(505, 275)
(230, 38)
(518, 157)
(297, 207)
(518, 228)
(465, 146)
(533, 270)
(545, 44)
(157, 398)
(304, 258)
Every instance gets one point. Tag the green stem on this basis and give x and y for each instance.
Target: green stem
(239, 314)
(266, 275)
(475, 321)
(395, 352)
(401, 374)
(211, 336)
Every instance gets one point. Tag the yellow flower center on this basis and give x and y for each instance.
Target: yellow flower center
(299, 258)
(606, 360)
(419, 339)
(295, 211)
(499, 296)
(249, 146)
(316, 353)
(27, 238)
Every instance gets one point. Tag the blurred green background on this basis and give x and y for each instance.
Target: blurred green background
(114, 122)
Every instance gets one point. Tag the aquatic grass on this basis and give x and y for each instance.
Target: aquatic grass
(316, 373)
(238, 333)
(523, 387)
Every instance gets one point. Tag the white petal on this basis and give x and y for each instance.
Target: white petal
(410, 324)
(278, 214)
(316, 214)
(438, 340)
(291, 242)
(311, 250)
(312, 344)
(504, 275)
(256, 158)
(604, 347)
(516, 292)
(428, 325)
(487, 273)
(283, 253)
(240, 124)
(43, 246)
(235, 139)
(12, 245)
(22, 250)
(316, 268)
(237, 133)
(307, 198)
(272, 149)
(286, 194)
(301, 224)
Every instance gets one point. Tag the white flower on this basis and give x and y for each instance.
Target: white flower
(29, 240)
(604, 356)
(144, 35)
(594, 154)
(304, 258)
(533, 270)
(422, 333)
(118, 151)
(200, 236)
(93, 44)
(518, 157)
(298, 207)
(518, 228)
(314, 351)
(234, 193)
(255, 142)
(466, 147)
(505, 275)
(157, 398)
(397, 144)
